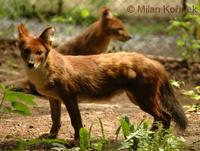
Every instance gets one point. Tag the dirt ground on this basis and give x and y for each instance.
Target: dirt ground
(14, 126)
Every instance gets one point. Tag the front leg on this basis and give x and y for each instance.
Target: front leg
(70, 100)
(55, 116)
(74, 113)
(55, 106)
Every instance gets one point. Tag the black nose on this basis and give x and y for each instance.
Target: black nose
(130, 36)
(30, 65)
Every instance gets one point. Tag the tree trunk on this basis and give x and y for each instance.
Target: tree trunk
(184, 5)
(60, 7)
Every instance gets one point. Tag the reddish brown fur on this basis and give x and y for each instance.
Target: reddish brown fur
(96, 38)
(67, 78)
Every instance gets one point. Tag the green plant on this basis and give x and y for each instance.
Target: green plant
(183, 28)
(78, 15)
(192, 94)
(55, 144)
(177, 84)
(137, 138)
(17, 102)
(81, 14)
(84, 139)
(141, 138)
(195, 95)
(87, 143)
(15, 9)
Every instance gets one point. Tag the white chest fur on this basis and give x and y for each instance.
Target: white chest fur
(39, 77)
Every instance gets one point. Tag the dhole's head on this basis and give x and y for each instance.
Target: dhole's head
(113, 26)
(34, 50)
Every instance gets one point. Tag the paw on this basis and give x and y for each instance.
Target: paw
(74, 143)
(48, 136)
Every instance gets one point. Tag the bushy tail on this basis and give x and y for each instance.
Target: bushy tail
(169, 102)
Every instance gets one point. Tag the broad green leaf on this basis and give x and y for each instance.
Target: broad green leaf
(19, 96)
(21, 108)
(85, 13)
(125, 127)
(84, 139)
(27, 98)
(10, 97)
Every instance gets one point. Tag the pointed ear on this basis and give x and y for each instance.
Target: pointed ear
(48, 35)
(106, 13)
(23, 32)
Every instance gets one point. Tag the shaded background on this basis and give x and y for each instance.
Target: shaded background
(70, 17)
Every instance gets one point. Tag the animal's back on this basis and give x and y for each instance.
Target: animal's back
(96, 75)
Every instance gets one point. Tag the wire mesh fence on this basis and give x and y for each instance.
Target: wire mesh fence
(146, 20)
(168, 8)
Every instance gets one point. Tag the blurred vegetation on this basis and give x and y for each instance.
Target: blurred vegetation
(16, 102)
(188, 30)
(15, 9)
(81, 14)
(193, 94)
(141, 138)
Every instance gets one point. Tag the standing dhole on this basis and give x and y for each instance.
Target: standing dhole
(67, 78)
(93, 40)
(96, 38)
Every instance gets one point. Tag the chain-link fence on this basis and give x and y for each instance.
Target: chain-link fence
(167, 8)
(147, 20)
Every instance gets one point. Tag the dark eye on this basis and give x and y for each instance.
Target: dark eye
(26, 51)
(120, 28)
(38, 52)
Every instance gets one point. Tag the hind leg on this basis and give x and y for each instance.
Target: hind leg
(165, 120)
(131, 97)
(160, 116)
(150, 105)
